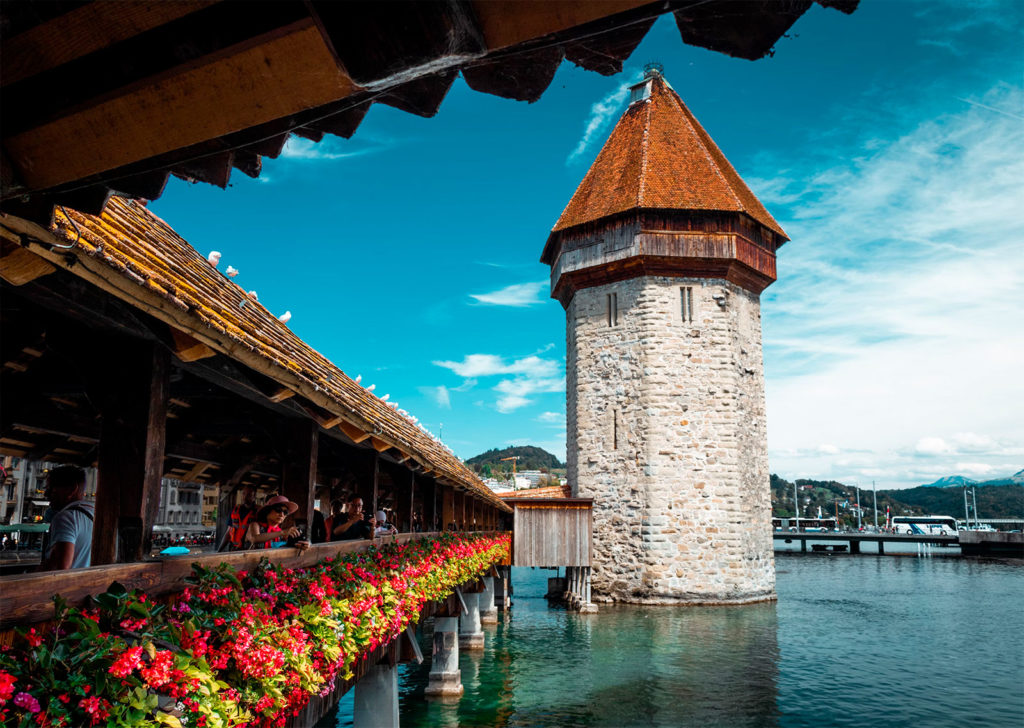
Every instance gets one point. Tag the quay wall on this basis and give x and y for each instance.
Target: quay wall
(667, 433)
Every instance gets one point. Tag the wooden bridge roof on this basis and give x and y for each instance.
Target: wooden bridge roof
(134, 255)
(117, 96)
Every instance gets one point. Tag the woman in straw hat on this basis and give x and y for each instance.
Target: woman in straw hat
(266, 533)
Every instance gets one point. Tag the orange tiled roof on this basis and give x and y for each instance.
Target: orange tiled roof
(135, 255)
(548, 491)
(659, 157)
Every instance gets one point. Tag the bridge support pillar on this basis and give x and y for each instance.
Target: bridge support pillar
(471, 636)
(488, 608)
(803, 545)
(881, 546)
(445, 679)
(854, 546)
(376, 698)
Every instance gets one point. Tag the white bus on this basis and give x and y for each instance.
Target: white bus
(925, 525)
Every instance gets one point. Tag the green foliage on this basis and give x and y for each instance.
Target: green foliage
(530, 458)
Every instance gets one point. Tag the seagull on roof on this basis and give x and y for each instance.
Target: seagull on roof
(231, 272)
(359, 378)
(385, 398)
(213, 258)
(253, 296)
(371, 388)
(285, 317)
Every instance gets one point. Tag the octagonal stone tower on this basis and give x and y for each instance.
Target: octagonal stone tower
(659, 260)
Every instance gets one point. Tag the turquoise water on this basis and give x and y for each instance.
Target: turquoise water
(852, 641)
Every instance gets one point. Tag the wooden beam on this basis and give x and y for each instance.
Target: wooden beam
(197, 471)
(298, 472)
(504, 22)
(83, 31)
(269, 77)
(352, 432)
(376, 481)
(187, 348)
(131, 450)
(281, 395)
(379, 445)
(19, 266)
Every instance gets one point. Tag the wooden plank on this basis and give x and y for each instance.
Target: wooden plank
(268, 78)
(188, 348)
(27, 598)
(352, 432)
(85, 30)
(281, 395)
(19, 266)
(131, 450)
(298, 474)
(508, 22)
(196, 472)
(379, 445)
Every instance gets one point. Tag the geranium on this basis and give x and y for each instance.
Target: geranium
(250, 648)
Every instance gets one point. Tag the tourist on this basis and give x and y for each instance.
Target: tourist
(68, 543)
(383, 527)
(355, 525)
(241, 516)
(337, 517)
(265, 531)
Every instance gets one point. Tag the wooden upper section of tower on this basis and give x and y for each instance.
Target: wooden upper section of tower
(661, 180)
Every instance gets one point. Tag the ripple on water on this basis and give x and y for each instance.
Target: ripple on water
(851, 642)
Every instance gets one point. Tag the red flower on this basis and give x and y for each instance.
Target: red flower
(128, 661)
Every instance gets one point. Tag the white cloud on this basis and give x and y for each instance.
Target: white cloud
(601, 115)
(515, 392)
(328, 148)
(519, 295)
(931, 446)
(980, 470)
(530, 375)
(894, 329)
(440, 395)
(551, 417)
(485, 365)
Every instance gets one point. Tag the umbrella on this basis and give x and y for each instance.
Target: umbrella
(174, 551)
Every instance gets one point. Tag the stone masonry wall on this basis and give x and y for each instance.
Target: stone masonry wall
(666, 431)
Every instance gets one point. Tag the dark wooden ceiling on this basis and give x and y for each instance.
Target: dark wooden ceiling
(113, 97)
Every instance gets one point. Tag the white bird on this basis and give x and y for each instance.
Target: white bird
(385, 398)
(253, 296)
(371, 388)
(231, 271)
(213, 258)
(285, 317)
(359, 378)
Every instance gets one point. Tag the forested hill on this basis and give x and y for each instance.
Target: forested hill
(530, 458)
(994, 501)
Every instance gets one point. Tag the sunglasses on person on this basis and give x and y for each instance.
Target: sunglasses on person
(281, 509)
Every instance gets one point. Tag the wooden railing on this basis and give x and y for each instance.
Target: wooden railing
(28, 598)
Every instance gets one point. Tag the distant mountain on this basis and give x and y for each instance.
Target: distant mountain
(950, 481)
(530, 458)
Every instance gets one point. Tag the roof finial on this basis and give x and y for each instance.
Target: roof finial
(653, 69)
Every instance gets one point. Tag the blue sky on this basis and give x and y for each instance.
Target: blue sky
(887, 144)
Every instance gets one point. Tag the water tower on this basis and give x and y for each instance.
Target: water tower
(659, 260)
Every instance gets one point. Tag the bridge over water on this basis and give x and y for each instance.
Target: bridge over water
(971, 543)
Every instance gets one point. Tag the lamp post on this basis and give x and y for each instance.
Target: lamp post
(796, 505)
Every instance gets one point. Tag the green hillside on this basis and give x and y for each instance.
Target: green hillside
(530, 458)
(994, 501)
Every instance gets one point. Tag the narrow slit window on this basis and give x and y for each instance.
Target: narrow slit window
(686, 303)
(613, 309)
(615, 429)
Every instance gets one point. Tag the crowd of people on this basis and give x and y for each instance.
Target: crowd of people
(254, 526)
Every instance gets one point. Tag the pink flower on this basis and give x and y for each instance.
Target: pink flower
(26, 701)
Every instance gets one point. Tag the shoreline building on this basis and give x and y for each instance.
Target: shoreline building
(659, 260)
